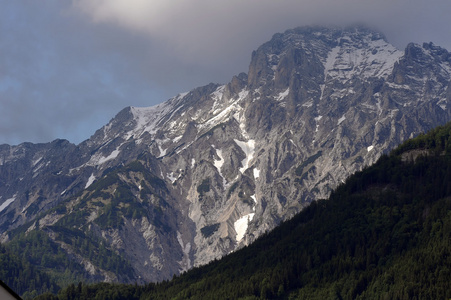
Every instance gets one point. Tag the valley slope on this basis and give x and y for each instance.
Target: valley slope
(383, 234)
(162, 189)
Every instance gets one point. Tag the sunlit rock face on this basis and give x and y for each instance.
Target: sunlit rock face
(192, 179)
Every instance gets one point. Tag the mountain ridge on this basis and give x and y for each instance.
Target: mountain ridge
(236, 159)
(381, 234)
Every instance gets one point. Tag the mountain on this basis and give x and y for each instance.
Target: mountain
(162, 189)
(383, 234)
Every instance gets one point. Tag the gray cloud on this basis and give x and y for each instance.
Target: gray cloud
(67, 67)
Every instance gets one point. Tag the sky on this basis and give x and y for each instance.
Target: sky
(68, 66)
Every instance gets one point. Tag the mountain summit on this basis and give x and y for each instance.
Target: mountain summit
(177, 185)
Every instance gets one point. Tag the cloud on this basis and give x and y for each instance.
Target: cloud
(204, 31)
(136, 14)
(67, 67)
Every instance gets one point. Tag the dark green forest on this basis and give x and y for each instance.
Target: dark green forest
(383, 234)
(22, 277)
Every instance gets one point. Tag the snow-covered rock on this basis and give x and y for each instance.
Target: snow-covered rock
(224, 163)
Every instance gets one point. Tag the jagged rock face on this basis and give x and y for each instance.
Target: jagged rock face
(232, 161)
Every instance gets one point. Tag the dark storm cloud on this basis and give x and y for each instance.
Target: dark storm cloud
(67, 67)
(59, 75)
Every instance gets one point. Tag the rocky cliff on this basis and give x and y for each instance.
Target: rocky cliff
(187, 181)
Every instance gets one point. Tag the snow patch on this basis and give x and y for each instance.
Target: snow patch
(176, 139)
(217, 97)
(370, 148)
(398, 86)
(37, 166)
(308, 103)
(218, 164)
(241, 225)
(182, 95)
(98, 159)
(90, 180)
(375, 58)
(224, 113)
(393, 112)
(317, 119)
(442, 104)
(243, 94)
(171, 177)
(148, 118)
(193, 162)
(242, 121)
(256, 173)
(341, 119)
(34, 163)
(255, 200)
(283, 95)
(160, 148)
(113, 155)
(7, 203)
(248, 149)
(330, 60)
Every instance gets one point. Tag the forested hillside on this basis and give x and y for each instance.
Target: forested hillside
(384, 234)
(21, 276)
(159, 190)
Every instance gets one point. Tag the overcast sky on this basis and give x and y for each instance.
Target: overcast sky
(68, 66)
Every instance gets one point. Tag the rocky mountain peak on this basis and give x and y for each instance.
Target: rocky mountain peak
(357, 50)
(208, 171)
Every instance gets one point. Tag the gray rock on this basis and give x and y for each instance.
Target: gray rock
(226, 163)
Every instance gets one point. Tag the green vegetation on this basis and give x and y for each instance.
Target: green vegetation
(116, 198)
(108, 201)
(384, 234)
(33, 208)
(438, 140)
(100, 291)
(232, 189)
(36, 250)
(204, 187)
(207, 231)
(93, 249)
(22, 277)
